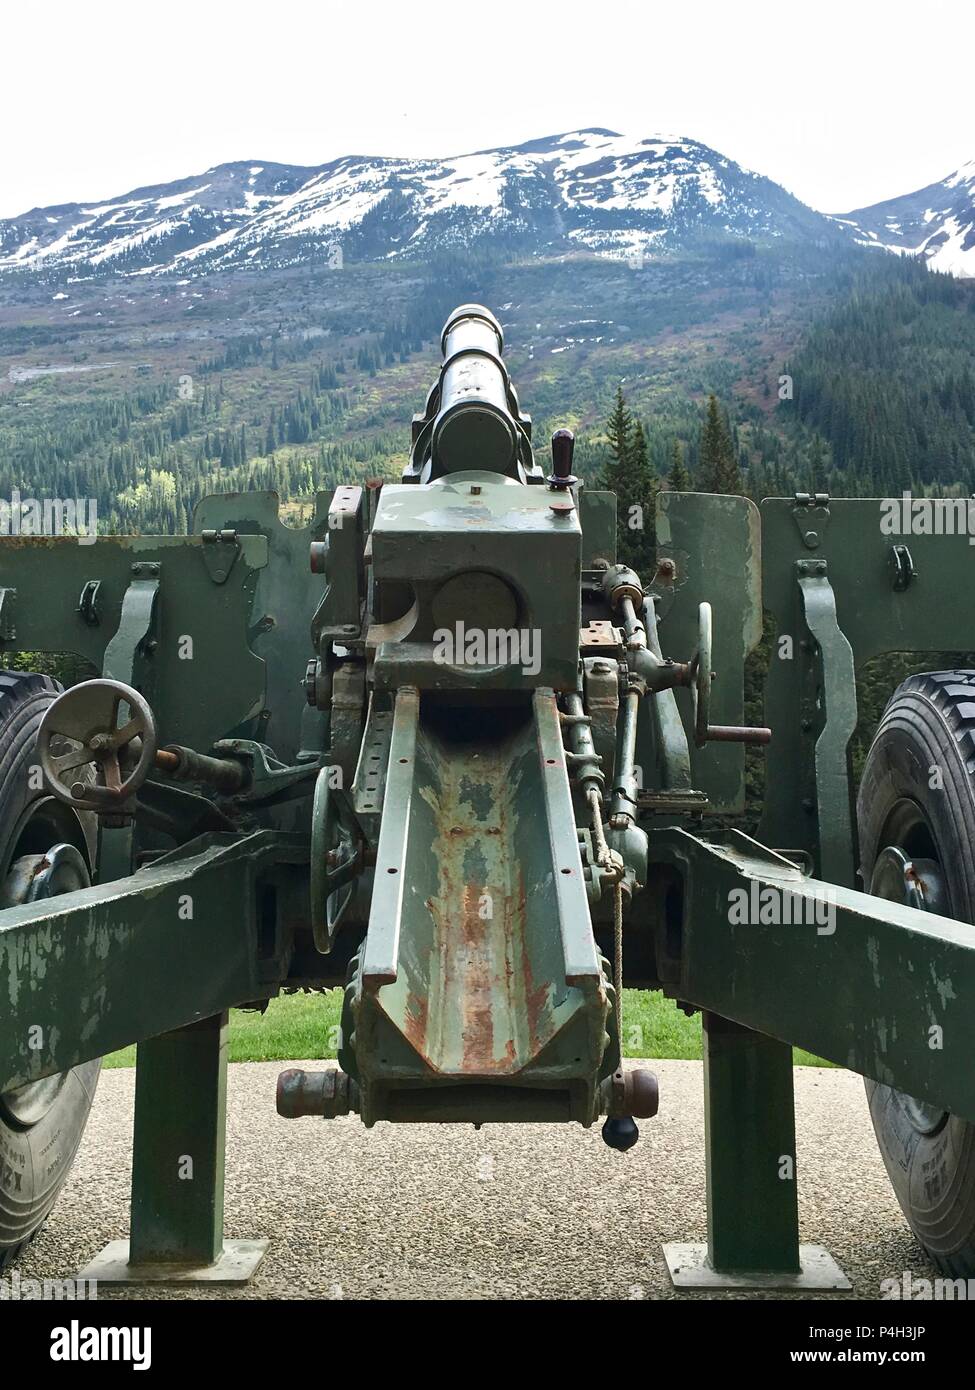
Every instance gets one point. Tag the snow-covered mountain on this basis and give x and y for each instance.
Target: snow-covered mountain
(589, 190)
(937, 223)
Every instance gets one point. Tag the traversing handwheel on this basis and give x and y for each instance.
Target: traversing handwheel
(89, 718)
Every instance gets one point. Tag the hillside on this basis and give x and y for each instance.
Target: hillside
(140, 366)
(149, 397)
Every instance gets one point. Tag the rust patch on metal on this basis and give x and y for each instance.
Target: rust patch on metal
(478, 917)
(477, 985)
(416, 1019)
(473, 1007)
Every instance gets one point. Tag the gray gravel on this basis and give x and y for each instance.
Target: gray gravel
(421, 1211)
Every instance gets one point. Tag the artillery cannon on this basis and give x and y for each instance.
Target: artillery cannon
(486, 806)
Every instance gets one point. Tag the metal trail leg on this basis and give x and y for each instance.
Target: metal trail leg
(178, 1168)
(753, 1218)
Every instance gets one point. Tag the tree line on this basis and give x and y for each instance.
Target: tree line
(629, 472)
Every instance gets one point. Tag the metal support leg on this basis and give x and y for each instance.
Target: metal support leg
(753, 1219)
(178, 1168)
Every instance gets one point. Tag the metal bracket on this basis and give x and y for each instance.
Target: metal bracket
(8, 631)
(219, 550)
(369, 784)
(340, 559)
(601, 638)
(347, 716)
(811, 513)
(135, 622)
(601, 685)
(836, 681)
(902, 568)
(88, 603)
(269, 778)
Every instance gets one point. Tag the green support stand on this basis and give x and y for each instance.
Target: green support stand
(750, 1137)
(178, 1168)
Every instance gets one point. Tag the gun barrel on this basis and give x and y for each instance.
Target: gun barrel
(477, 422)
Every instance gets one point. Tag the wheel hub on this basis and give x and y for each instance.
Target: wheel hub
(916, 883)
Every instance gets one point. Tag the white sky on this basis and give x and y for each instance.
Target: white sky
(845, 102)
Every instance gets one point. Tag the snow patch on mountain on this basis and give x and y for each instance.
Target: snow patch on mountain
(589, 190)
(936, 224)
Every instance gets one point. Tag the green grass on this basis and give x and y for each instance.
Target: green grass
(307, 1026)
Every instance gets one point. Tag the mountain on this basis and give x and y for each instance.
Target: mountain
(936, 223)
(588, 190)
(131, 374)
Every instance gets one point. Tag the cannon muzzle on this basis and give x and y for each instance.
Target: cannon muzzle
(472, 420)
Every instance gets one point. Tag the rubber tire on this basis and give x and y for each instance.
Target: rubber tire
(34, 1161)
(929, 721)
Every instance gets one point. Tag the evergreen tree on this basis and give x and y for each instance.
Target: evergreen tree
(630, 475)
(619, 430)
(678, 478)
(719, 467)
(639, 549)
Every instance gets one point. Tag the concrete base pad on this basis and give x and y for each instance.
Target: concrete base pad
(235, 1265)
(689, 1269)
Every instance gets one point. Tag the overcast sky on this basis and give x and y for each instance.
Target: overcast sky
(845, 102)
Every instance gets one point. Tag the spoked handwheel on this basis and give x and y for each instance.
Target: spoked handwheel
(102, 724)
(44, 851)
(916, 816)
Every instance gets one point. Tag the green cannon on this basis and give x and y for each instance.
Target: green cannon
(441, 750)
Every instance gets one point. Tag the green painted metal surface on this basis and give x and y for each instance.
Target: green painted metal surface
(285, 596)
(873, 616)
(750, 1138)
(829, 709)
(525, 560)
(179, 1145)
(855, 979)
(597, 517)
(715, 545)
(109, 966)
(479, 974)
(194, 696)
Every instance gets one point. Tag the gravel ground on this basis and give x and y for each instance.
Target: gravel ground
(529, 1211)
